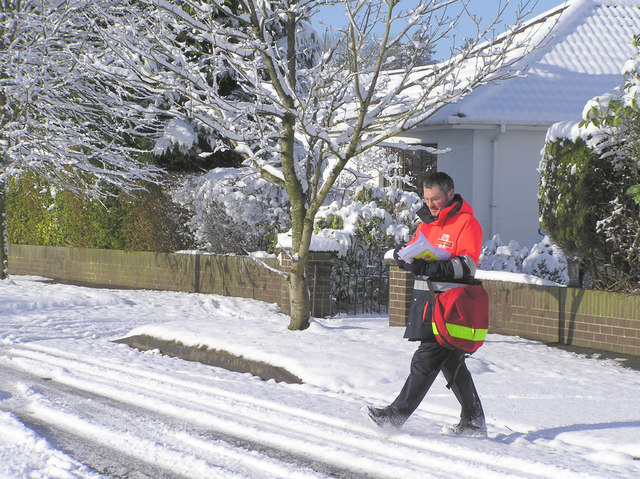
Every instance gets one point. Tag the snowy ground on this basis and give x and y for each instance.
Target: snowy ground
(70, 396)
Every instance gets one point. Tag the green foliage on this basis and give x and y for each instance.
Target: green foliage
(618, 116)
(573, 195)
(634, 192)
(332, 221)
(585, 209)
(39, 214)
(366, 195)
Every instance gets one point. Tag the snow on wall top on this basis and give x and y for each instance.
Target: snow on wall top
(584, 57)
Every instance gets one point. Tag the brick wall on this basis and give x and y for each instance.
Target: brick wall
(593, 319)
(578, 317)
(239, 276)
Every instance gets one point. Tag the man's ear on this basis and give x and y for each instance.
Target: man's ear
(450, 195)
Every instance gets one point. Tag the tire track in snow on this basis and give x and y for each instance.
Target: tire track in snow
(90, 428)
(107, 462)
(73, 422)
(309, 435)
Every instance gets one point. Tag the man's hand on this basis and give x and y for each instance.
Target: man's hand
(417, 267)
(420, 267)
(455, 269)
(399, 261)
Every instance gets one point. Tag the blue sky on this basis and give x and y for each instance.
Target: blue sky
(486, 9)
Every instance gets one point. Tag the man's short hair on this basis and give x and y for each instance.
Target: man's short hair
(439, 178)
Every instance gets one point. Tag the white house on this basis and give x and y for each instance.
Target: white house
(496, 133)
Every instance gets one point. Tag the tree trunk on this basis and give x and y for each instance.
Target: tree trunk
(299, 301)
(4, 242)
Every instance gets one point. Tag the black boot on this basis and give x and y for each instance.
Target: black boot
(476, 427)
(384, 417)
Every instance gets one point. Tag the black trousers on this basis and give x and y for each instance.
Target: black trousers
(428, 360)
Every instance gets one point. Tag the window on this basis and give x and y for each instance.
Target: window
(416, 165)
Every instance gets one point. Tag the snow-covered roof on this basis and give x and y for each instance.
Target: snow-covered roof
(584, 57)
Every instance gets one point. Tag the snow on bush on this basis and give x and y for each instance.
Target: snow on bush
(365, 218)
(361, 219)
(178, 133)
(496, 256)
(544, 260)
(377, 216)
(233, 210)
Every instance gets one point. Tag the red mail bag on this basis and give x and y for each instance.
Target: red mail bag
(460, 317)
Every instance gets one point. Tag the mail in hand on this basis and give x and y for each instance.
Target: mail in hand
(423, 249)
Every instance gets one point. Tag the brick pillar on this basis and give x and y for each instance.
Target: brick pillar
(400, 295)
(319, 266)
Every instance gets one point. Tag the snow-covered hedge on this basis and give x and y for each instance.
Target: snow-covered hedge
(544, 260)
(233, 210)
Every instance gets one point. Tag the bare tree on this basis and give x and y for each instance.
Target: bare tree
(57, 116)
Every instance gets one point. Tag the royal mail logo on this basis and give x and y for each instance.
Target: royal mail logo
(444, 242)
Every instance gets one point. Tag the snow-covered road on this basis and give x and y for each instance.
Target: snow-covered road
(75, 404)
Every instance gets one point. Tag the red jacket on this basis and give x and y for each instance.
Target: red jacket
(455, 229)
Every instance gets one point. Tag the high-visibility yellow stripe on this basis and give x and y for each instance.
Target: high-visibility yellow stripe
(463, 332)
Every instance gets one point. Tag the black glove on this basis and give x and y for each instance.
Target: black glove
(458, 268)
(399, 261)
(420, 267)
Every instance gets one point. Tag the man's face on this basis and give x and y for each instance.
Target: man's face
(436, 199)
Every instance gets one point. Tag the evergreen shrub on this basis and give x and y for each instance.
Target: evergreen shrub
(573, 195)
(585, 209)
(38, 213)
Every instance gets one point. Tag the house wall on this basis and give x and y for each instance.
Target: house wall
(482, 199)
(458, 162)
(517, 156)
(495, 170)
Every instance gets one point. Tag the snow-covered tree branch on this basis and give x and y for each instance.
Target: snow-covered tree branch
(57, 117)
(297, 115)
